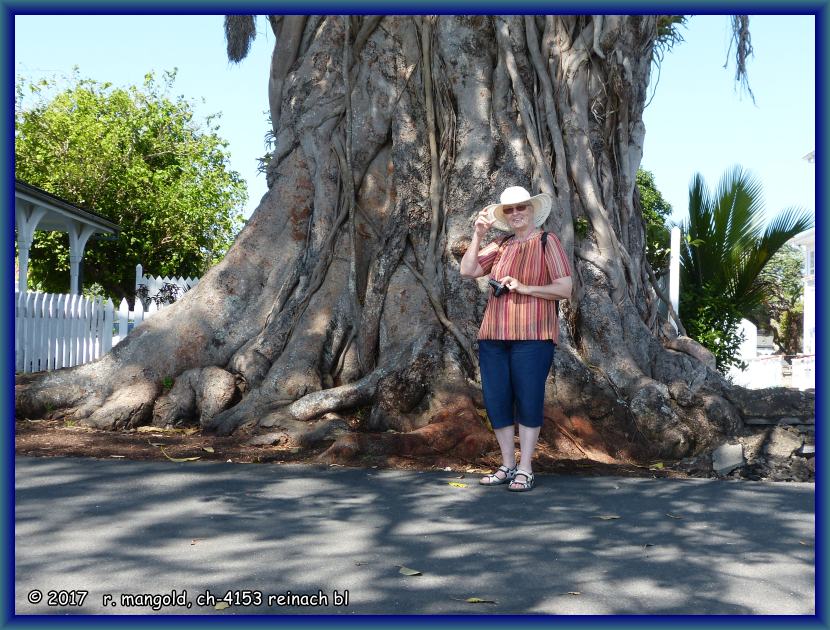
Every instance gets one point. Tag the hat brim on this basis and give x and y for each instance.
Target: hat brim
(541, 203)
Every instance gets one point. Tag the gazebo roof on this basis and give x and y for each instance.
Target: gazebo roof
(60, 213)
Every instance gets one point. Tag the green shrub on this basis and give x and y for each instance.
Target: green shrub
(713, 322)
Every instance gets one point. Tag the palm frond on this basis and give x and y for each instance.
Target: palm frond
(697, 229)
(739, 210)
(727, 245)
(747, 290)
(792, 219)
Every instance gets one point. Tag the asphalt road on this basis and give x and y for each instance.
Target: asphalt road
(176, 534)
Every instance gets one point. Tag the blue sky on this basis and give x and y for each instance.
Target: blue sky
(697, 120)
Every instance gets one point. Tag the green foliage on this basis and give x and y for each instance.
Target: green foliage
(713, 322)
(94, 290)
(656, 211)
(270, 141)
(137, 157)
(781, 309)
(668, 34)
(723, 255)
(789, 329)
(581, 227)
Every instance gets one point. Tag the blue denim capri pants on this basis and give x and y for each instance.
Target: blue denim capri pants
(513, 375)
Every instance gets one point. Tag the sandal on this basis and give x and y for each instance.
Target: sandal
(493, 479)
(522, 486)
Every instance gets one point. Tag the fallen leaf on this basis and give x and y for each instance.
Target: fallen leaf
(221, 605)
(208, 449)
(178, 459)
(190, 431)
(148, 429)
(155, 444)
(455, 484)
(607, 517)
(407, 571)
(476, 600)
(656, 466)
(670, 515)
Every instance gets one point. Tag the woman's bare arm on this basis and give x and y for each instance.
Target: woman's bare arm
(559, 289)
(469, 262)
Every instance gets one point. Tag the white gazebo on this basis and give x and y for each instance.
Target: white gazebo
(36, 209)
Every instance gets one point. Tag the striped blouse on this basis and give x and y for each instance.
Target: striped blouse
(513, 316)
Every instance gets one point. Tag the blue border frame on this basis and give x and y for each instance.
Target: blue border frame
(821, 163)
(9, 8)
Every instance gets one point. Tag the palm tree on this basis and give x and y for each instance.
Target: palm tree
(725, 250)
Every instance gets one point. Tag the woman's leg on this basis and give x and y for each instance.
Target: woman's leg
(530, 363)
(506, 445)
(528, 436)
(494, 363)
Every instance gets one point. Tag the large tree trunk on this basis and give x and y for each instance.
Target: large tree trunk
(342, 295)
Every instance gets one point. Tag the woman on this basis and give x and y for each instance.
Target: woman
(520, 327)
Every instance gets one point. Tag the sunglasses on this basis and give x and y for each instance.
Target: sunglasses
(512, 209)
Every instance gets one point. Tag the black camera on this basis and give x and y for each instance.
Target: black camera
(498, 288)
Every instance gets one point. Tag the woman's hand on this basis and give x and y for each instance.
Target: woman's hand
(483, 223)
(559, 289)
(514, 285)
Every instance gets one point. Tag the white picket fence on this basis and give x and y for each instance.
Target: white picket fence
(154, 284)
(54, 331)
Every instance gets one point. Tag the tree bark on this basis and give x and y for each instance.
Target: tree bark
(343, 293)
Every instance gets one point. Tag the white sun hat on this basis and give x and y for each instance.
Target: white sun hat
(514, 196)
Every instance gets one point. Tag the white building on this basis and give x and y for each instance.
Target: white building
(807, 242)
(804, 365)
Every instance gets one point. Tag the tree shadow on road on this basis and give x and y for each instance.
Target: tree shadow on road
(575, 545)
